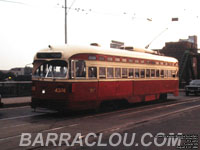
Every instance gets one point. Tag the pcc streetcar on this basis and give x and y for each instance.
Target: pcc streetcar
(84, 77)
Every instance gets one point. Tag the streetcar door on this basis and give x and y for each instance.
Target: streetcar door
(85, 84)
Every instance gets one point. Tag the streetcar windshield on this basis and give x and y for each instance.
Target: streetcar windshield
(52, 69)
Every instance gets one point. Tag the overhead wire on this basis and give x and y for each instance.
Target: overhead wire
(16, 2)
(71, 5)
(82, 10)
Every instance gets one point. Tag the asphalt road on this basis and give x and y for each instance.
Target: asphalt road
(141, 122)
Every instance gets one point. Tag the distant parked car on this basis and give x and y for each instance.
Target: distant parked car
(193, 88)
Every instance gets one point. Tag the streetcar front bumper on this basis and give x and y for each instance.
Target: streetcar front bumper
(52, 104)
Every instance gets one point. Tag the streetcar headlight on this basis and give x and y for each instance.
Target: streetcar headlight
(43, 91)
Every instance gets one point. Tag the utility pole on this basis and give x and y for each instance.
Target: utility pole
(65, 21)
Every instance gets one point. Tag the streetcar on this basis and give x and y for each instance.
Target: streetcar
(72, 77)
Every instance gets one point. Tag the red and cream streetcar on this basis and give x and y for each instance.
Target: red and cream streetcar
(83, 77)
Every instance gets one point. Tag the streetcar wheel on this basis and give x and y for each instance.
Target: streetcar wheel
(163, 97)
(106, 106)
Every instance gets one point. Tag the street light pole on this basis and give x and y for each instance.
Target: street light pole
(65, 21)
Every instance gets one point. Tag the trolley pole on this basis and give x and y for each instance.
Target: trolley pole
(65, 21)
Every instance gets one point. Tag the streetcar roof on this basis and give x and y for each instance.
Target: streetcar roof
(70, 50)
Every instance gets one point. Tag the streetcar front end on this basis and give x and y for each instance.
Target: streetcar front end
(50, 86)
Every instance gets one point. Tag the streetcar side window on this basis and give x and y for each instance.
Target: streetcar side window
(110, 72)
(130, 60)
(162, 73)
(117, 72)
(80, 69)
(130, 73)
(124, 72)
(169, 73)
(136, 61)
(102, 72)
(165, 73)
(92, 72)
(142, 73)
(157, 73)
(148, 73)
(173, 73)
(137, 73)
(109, 58)
(101, 58)
(153, 73)
(124, 60)
(117, 59)
(92, 57)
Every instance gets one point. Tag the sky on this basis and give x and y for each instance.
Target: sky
(26, 26)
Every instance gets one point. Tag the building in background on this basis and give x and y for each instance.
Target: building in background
(186, 51)
(17, 71)
(21, 71)
(17, 74)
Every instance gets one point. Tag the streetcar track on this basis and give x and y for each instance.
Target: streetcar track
(39, 113)
(61, 127)
(159, 107)
(18, 125)
(19, 117)
(11, 108)
(143, 121)
(10, 137)
(150, 119)
(42, 131)
(133, 124)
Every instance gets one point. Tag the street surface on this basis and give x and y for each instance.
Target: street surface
(176, 115)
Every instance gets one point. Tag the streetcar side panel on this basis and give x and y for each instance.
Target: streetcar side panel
(84, 95)
(110, 90)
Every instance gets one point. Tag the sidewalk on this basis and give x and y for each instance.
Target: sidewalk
(16, 101)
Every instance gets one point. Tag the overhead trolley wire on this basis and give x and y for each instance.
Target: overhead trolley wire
(15, 2)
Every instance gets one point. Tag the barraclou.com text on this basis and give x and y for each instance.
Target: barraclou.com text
(115, 139)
